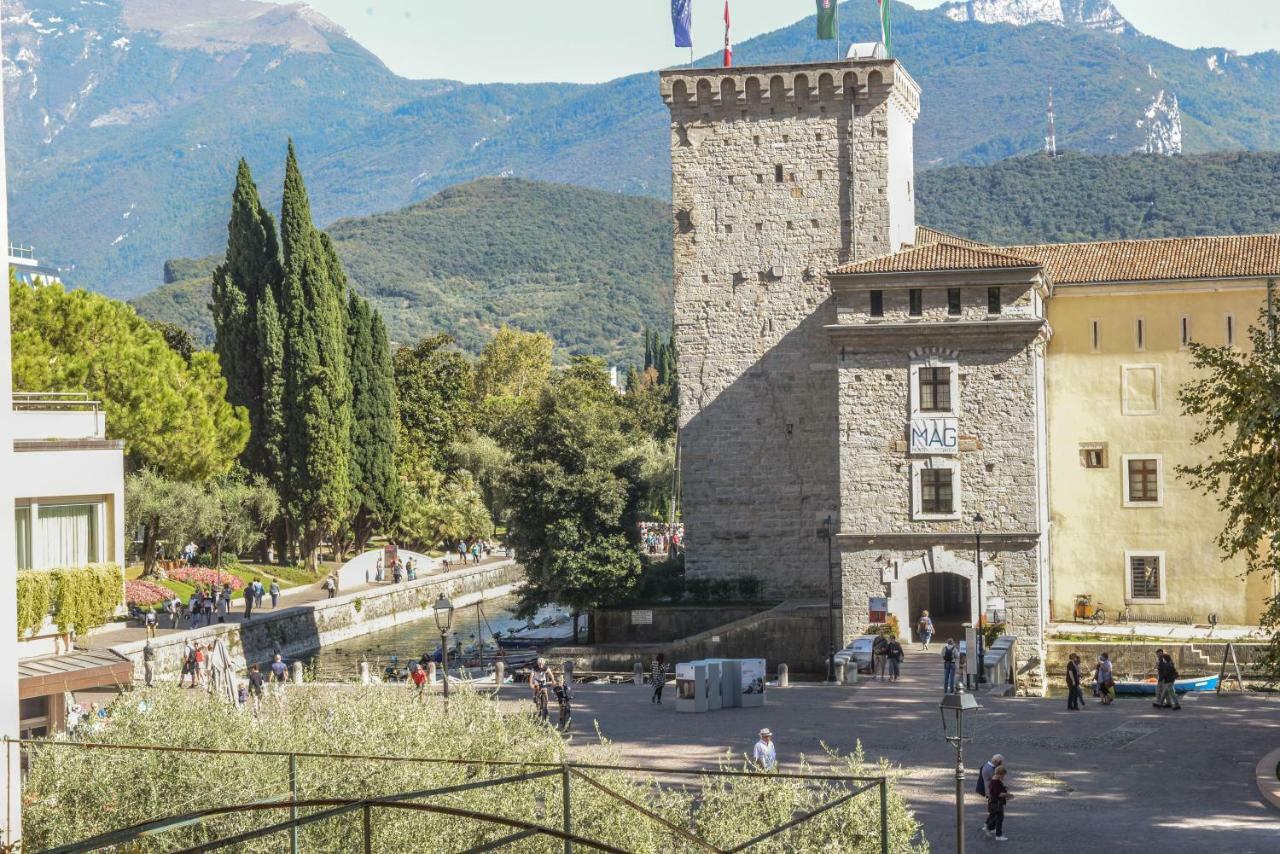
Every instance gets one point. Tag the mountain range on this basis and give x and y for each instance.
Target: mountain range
(126, 117)
(593, 268)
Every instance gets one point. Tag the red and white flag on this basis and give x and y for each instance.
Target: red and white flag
(728, 47)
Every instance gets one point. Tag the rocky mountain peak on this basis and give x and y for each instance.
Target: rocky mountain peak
(219, 26)
(1091, 14)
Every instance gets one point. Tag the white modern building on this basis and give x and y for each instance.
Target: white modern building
(27, 268)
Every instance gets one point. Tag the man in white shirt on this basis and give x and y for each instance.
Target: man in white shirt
(765, 755)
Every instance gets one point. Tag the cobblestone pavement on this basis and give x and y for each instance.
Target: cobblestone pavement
(1119, 778)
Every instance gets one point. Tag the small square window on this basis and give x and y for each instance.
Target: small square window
(993, 301)
(730, 179)
(790, 225)
(817, 137)
(1093, 456)
(936, 493)
(953, 301)
(759, 227)
(728, 229)
(777, 173)
(819, 174)
(756, 140)
(813, 223)
(877, 303)
(935, 389)
(786, 138)
(1145, 579)
(915, 299)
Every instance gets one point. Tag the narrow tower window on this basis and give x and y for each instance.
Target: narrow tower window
(915, 298)
(1231, 330)
(777, 173)
(1140, 334)
(1186, 330)
(1095, 334)
(877, 303)
(993, 301)
(953, 301)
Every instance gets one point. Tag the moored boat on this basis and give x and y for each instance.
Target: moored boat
(1182, 686)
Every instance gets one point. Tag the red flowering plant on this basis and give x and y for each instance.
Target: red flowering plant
(145, 594)
(201, 576)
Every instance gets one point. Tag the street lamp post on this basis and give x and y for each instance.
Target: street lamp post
(444, 621)
(955, 705)
(828, 530)
(977, 552)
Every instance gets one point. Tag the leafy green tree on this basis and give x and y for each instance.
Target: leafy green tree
(439, 511)
(245, 286)
(162, 509)
(374, 478)
(491, 466)
(513, 363)
(575, 495)
(433, 392)
(233, 512)
(178, 339)
(173, 415)
(317, 387)
(1237, 399)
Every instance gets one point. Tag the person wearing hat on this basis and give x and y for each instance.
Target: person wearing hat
(765, 755)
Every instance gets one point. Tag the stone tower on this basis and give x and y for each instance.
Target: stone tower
(779, 174)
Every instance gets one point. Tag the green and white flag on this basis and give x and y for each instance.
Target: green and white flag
(886, 27)
(826, 19)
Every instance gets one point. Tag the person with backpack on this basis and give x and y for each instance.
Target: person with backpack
(997, 795)
(1166, 675)
(924, 628)
(949, 653)
(893, 652)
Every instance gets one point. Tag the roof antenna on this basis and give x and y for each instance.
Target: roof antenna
(1051, 141)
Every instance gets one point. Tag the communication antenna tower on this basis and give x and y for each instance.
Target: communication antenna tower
(1051, 141)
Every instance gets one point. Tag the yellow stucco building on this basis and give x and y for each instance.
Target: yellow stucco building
(1125, 529)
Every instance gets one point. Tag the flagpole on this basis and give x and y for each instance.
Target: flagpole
(837, 30)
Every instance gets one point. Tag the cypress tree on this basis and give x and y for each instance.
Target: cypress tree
(316, 384)
(246, 287)
(648, 348)
(374, 479)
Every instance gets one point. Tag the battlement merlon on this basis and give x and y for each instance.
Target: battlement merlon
(794, 84)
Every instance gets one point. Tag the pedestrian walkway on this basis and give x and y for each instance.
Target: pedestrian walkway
(292, 597)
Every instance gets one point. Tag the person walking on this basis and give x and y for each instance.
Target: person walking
(878, 647)
(258, 592)
(1075, 697)
(188, 664)
(987, 772)
(925, 629)
(275, 593)
(765, 755)
(1166, 676)
(1105, 678)
(151, 620)
(997, 795)
(198, 666)
(417, 680)
(148, 663)
(249, 599)
(255, 688)
(658, 677)
(893, 652)
(279, 672)
(949, 653)
(332, 588)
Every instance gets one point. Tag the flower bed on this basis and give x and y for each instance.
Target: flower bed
(199, 576)
(145, 594)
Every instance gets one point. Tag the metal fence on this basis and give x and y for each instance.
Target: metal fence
(363, 810)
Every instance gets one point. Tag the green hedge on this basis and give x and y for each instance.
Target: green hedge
(80, 598)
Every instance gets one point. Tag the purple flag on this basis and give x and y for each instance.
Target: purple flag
(681, 13)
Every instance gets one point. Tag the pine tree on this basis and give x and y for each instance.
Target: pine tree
(316, 386)
(374, 479)
(246, 289)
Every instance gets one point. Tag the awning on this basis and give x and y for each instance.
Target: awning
(77, 671)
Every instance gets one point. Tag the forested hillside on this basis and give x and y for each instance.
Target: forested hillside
(593, 268)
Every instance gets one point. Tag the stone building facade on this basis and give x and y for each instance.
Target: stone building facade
(780, 173)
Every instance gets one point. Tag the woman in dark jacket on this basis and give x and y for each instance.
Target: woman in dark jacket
(997, 795)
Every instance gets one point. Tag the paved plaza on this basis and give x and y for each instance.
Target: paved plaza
(1123, 778)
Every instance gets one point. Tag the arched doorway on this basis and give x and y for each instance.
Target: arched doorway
(946, 596)
(937, 581)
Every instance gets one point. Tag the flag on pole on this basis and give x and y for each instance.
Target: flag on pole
(886, 27)
(728, 47)
(681, 15)
(826, 19)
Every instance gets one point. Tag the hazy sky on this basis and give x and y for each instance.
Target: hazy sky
(594, 40)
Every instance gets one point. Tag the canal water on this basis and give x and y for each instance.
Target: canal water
(407, 642)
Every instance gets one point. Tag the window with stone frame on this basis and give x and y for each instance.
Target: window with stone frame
(935, 389)
(1143, 480)
(1145, 577)
(936, 492)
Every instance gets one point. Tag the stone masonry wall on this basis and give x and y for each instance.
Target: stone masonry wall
(778, 174)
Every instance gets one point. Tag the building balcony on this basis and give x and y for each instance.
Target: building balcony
(53, 417)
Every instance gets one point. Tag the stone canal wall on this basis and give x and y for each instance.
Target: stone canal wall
(303, 629)
(1138, 659)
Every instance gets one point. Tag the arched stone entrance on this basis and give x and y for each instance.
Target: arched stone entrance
(940, 582)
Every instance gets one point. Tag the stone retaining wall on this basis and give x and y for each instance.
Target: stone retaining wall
(302, 629)
(1139, 658)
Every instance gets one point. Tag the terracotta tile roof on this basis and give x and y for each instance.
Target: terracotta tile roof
(1240, 256)
(937, 257)
(925, 234)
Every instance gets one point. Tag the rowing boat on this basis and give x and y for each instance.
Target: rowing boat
(1182, 686)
